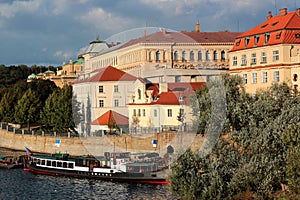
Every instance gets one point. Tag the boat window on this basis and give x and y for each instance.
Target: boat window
(43, 162)
(53, 163)
(59, 164)
(71, 165)
(64, 164)
(38, 161)
(48, 163)
(79, 162)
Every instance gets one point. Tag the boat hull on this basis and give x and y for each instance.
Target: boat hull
(115, 177)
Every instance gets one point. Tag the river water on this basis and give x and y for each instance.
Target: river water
(17, 184)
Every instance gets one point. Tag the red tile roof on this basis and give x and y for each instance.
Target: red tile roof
(282, 28)
(172, 98)
(185, 86)
(111, 117)
(109, 74)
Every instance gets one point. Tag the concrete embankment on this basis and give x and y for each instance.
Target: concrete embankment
(98, 145)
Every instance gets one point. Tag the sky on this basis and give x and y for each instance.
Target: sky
(50, 32)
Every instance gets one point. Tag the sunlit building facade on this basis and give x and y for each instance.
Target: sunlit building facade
(269, 53)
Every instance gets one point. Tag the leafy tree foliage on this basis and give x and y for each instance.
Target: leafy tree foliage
(256, 152)
(27, 109)
(57, 113)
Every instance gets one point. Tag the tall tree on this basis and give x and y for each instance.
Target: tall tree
(27, 109)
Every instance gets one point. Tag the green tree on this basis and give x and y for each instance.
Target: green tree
(60, 110)
(251, 154)
(27, 109)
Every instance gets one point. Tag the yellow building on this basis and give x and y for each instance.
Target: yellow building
(269, 52)
(186, 56)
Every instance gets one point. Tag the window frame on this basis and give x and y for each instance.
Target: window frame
(101, 103)
(101, 89)
(264, 77)
(254, 77)
(170, 113)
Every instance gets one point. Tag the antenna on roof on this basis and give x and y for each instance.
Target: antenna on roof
(275, 6)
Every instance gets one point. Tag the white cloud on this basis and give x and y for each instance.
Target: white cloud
(62, 55)
(100, 20)
(9, 10)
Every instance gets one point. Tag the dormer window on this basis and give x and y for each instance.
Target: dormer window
(274, 23)
(181, 98)
(267, 37)
(264, 26)
(247, 39)
(278, 35)
(297, 35)
(256, 39)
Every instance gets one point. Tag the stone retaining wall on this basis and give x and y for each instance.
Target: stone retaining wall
(99, 145)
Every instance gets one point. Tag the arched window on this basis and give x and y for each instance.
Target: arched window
(215, 55)
(157, 56)
(176, 56)
(207, 55)
(199, 55)
(223, 55)
(192, 56)
(183, 56)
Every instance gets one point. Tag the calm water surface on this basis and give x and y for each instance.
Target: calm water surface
(17, 184)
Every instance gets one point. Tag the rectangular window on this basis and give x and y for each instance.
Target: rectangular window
(101, 103)
(245, 78)
(116, 102)
(101, 89)
(275, 55)
(264, 77)
(181, 112)
(155, 113)
(234, 61)
(116, 88)
(276, 76)
(254, 77)
(144, 113)
(253, 58)
(263, 57)
(177, 79)
(244, 60)
(169, 112)
(139, 112)
(134, 112)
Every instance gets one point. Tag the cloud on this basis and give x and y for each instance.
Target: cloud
(104, 21)
(9, 10)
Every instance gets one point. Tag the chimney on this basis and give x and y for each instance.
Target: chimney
(283, 11)
(269, 15)
(197, 27)
(165, 31)
(298, 12)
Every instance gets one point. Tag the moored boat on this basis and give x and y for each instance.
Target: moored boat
(11, 162)
(120, 167)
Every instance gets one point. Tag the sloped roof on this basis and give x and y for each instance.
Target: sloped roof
(282, 28)
(185, 37)
(185, 86)
(109, 74)
(111, 117)
(161, 37)
(213, 37)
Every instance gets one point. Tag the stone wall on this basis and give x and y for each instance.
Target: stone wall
(99, 145)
